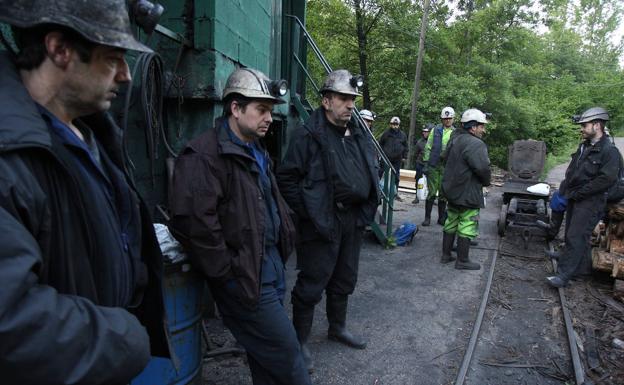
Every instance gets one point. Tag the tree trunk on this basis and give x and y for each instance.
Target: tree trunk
(362, 43)
(416, 93)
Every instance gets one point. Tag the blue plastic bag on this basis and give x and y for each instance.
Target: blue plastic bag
(404, 234)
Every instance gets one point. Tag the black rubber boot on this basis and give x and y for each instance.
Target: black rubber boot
(302, 321)
(428, 208)
(463, 250)
(441, 212)
(447, 244)
(473, 242)
(337, 317)
(415, 201)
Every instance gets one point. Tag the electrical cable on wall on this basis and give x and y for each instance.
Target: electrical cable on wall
(149, 68)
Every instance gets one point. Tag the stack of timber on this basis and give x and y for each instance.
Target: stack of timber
(608, 250)
(407, 181)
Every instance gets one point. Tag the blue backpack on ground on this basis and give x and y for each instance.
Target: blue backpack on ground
(404, 234)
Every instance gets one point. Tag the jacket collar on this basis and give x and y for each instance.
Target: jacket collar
(21, 124)
(226, 145)
(317, 125)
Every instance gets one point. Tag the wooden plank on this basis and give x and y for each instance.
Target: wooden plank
(610, 262)
(616, 245)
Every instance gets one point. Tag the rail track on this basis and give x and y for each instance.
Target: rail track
(468, 357)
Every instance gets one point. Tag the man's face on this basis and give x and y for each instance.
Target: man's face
(394, 126)
(589, 130)
(338, 108)
(425, 134)
(478, 130)
(90, 87)
(253, 120)
(447, 122)
(369, 123)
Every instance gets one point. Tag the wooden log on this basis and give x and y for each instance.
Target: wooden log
(610, 262)
(618, 290)
(616, 246)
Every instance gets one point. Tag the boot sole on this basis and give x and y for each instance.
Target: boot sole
(445, 261)
(467, 268)
(345, 342)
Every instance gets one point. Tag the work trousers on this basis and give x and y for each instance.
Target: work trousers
(329, 265)
(581, 218)
(434, 183)
(396, 165)
(419, 173)
(266, 332)
(462, 221)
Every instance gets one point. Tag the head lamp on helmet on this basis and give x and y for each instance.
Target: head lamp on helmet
(342, 82)
(254, 84)
(447, 113)
(103, 22)
(594, 113)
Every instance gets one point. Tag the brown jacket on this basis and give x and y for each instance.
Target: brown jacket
(218, 211)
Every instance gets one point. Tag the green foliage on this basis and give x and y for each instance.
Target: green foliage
(532, 70)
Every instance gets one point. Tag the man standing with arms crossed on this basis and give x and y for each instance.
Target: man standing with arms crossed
(434, 168)
(466, 172)
(394, 144)
(329, 178)
(81, 299)
(229, 215)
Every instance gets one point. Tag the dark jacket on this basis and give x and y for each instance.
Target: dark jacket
(218, 211)
(394, 144)
(593, 171)
(419, 150)
(53, 327)
(466, 171)
(305, 177)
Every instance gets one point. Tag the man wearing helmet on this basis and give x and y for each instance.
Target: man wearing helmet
(329, 178)
(368, 118)
(434, 168)
(467, 171)
(592, 171)
(228, 213)
(80, 265)
(394, 144)
(419, 152)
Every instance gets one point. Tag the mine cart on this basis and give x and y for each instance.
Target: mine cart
(522, 208)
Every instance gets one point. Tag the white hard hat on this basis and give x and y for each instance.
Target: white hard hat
(367, 115)
(473, 114)
(447, 112)
(395, 119)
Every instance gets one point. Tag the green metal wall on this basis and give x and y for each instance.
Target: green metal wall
(225, 35)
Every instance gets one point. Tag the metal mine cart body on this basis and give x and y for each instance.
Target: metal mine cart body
(521, 208)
